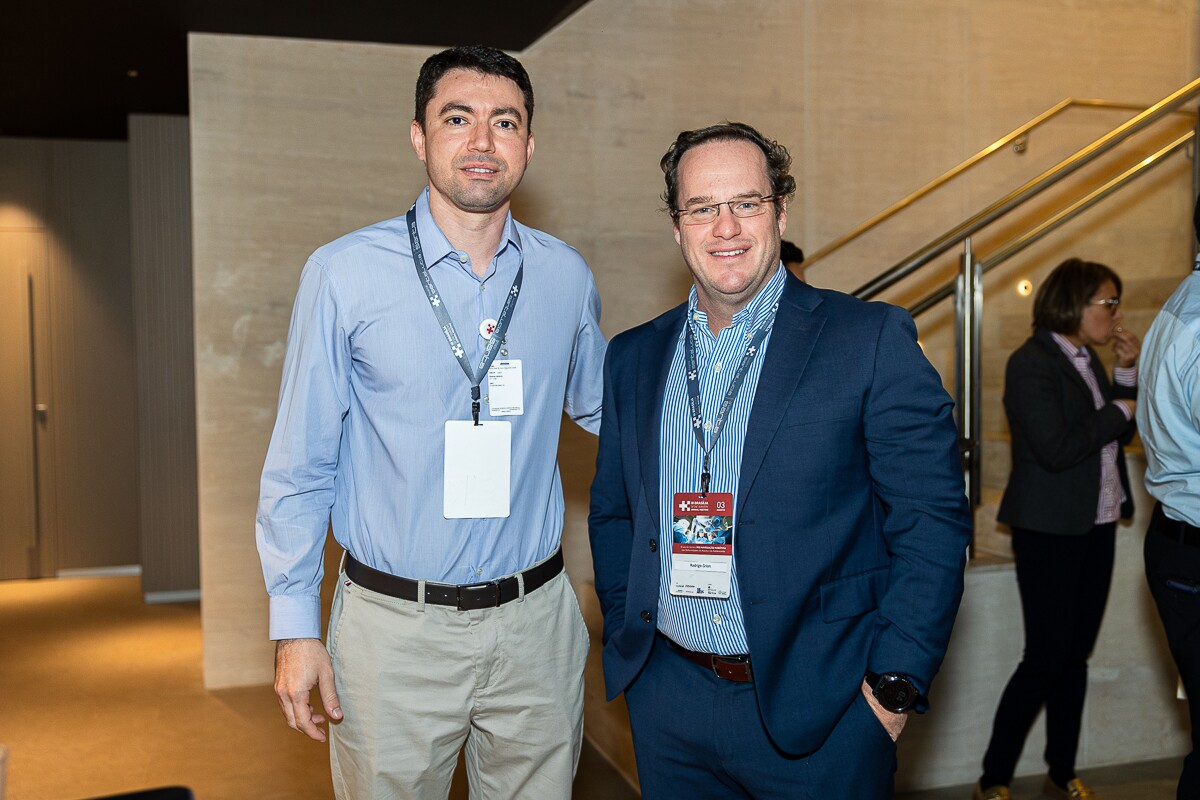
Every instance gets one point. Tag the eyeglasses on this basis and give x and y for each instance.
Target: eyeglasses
(740, 207)
(1111, 302)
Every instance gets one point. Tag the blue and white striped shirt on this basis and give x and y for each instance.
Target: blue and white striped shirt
(368, 385)
(709, 625)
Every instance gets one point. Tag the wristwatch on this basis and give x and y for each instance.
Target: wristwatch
(894, 691)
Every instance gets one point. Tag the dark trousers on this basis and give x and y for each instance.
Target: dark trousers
(1173, 571)
(699, 737)
(1063, 581)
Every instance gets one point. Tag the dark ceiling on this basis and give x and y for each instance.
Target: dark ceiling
(74, 69)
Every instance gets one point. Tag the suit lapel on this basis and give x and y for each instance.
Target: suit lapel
(1046, 340)
(654, 361)
(797, 326)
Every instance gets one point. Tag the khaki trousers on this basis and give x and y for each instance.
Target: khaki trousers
(418, 682)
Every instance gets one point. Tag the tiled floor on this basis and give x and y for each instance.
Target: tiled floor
(102, 694)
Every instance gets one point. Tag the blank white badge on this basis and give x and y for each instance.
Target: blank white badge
(477, 469)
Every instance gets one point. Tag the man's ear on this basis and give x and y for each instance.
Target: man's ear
(417, 135)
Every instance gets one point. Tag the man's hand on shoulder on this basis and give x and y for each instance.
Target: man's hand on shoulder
(892, 723)
(301, 665)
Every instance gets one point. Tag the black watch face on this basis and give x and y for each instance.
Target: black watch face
(897, 695)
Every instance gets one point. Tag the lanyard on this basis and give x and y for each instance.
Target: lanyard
(735, 385)
(474, 375)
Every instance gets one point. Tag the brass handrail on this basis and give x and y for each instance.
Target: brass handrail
(1058, 219)
(1009, 138)
(1014, 198)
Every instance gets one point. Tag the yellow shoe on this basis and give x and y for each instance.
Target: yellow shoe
(1076, 790)
(991, 793)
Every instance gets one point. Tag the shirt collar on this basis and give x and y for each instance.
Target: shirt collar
(437, 247)
(757, 311)
(1068, 348)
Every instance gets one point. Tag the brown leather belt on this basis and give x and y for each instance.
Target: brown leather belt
(468, 597)
(729, 668)
(1174, 529)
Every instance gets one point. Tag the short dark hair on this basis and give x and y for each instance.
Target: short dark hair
(477, 58)
(1061, 299)
(790, 253)
(779, 161)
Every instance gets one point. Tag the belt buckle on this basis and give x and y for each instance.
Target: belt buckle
(482, 595)
(729, 661)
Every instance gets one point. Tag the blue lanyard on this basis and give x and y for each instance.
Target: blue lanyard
(474, 375)
(735, 386)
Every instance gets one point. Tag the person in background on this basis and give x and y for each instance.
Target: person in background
(1067, 489)
(1168, 418)
(792, 258)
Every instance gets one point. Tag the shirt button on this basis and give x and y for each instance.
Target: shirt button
(717, 619)
(645, 615)
(653, 546)
(695, 317)
(479, 571)
(717, 367)
(708, 426)
(462, 258)
(483, 287)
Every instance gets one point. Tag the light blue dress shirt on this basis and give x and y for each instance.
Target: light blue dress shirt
(1168, 410)
(368, 384)
(703, 624)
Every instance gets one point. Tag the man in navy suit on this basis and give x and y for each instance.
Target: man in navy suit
(809, 426)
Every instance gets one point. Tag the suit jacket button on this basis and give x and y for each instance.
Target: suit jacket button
(645, 616)
(653, 546)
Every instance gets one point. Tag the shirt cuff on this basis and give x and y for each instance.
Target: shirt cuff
(1124, 408)
(295, 617)
(1125, 376)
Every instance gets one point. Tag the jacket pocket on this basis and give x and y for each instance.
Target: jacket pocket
(853, 595)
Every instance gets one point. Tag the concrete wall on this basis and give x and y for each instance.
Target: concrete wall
(295, 142)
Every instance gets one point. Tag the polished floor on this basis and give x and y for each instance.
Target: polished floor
(100, 694)
(1148, 780)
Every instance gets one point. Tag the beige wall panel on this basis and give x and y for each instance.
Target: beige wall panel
(297, 142)
(293, 144)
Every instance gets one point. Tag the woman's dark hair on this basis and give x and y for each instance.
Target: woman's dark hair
(1062, 297)
(477, 58)
(779, 161)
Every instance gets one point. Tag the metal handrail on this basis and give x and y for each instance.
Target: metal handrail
(1011, 137)
(1058, 219)
(1014, 198)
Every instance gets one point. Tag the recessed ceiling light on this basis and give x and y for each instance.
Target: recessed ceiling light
(131, 73)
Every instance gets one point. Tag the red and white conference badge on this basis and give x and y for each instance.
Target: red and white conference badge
(701, 544)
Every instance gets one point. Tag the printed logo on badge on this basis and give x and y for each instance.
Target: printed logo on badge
(487, 328)
(701, 544)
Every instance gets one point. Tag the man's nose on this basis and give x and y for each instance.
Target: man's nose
(481, 139)
(727, 224)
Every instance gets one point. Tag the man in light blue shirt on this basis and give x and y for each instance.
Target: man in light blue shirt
(430, 359)
(1168, 418)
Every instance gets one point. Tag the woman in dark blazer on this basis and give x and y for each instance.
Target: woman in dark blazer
(1067, 489)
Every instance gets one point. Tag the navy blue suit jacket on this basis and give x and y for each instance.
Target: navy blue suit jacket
(852, 522)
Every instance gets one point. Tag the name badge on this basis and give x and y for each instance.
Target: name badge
(702, 544)
(506, 392)
(477, 469)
